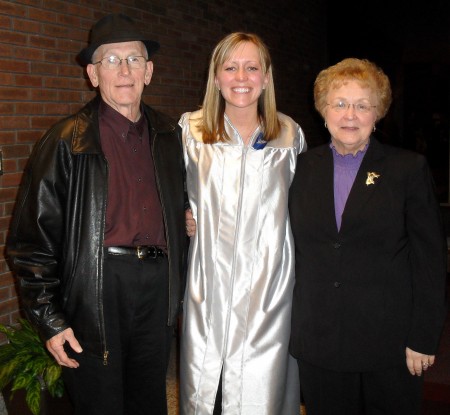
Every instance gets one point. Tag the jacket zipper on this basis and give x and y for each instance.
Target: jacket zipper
(101, 253)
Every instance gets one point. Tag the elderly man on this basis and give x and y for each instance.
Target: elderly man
(97, 239)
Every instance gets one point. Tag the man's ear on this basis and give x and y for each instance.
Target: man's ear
(92, 73)
(148, 72)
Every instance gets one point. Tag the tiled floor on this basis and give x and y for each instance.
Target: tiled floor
(172, 381)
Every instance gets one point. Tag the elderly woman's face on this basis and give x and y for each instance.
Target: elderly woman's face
(350, 116)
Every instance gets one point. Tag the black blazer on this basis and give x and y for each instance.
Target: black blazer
(377, 286)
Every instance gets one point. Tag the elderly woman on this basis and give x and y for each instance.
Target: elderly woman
(240, 160)
(370, 256)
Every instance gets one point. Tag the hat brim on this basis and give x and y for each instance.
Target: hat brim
(85, 56)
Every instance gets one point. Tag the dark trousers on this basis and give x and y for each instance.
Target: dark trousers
(135, 296)
(392, 391)
(218, 402)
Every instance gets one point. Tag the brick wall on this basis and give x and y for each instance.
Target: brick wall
(40, 81)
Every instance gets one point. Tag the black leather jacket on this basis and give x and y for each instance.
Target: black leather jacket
(56, 238)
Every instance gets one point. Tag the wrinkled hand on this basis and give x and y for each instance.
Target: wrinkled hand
(55, 346)
(418, 362)
(191, 225)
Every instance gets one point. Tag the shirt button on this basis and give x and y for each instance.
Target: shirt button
(337, 284)
(139, 179)
(336, 245)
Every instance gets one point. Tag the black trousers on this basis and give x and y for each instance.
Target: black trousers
(392, 391)
(135, 295)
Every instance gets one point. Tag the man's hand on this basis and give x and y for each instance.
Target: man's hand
(191, 225)
(418, 362)
(55, 346)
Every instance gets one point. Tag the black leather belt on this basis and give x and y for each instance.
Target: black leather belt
(141, 252)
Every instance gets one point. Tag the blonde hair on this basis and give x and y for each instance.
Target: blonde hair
(212, 124)
(366, 73)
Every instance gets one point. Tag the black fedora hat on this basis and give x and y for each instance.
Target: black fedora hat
(114, 28)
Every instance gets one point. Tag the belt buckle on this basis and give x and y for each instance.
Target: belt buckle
(141, 252)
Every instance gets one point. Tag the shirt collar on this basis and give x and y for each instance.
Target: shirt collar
(120, 123)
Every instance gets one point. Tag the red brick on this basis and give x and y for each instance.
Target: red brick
(6, 109)
(22, 162)
(12, 9)
(43, 122)
(7, 137)
(15, 151)
(7, 278)
(13, 65)
(56, 57)
(13, 122)
(10, 180)
(70, 96)
(61, 109)
(10, 165)
(44, 95)
(61, 83)
(32, 53)
(7, 93)
(29, 80)
(9, 208)
(6, 50)
(42, 15)
(16, 38)
(5, 22)
(70, 70)
(28, 108)
(56, 31)
(69, 20)
(42, 41)
(5, 294)
(8, 306)
(7, 195)
(57, 5)
(26, 25)
(71, 45)
(44, 68)
(28, 136)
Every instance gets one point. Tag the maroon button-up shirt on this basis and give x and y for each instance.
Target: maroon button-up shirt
(133, 212)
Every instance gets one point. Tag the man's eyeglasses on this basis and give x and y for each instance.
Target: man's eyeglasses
(360, 107)
(114, 62)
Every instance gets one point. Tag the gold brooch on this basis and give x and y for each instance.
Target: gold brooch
(371, 176)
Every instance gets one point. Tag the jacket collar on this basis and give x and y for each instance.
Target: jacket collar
(86, 131)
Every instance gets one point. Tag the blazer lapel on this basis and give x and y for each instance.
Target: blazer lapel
(324, 186)
(368, 179)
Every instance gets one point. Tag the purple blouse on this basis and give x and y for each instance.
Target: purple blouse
(345, 169)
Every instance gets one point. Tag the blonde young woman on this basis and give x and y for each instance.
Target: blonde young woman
(240, 156)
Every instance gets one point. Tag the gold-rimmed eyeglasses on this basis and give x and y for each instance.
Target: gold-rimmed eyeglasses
(113, 62)
(360, 107)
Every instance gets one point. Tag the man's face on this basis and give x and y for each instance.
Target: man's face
(121, 87)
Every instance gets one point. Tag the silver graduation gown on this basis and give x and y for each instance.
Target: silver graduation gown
(237, 306)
